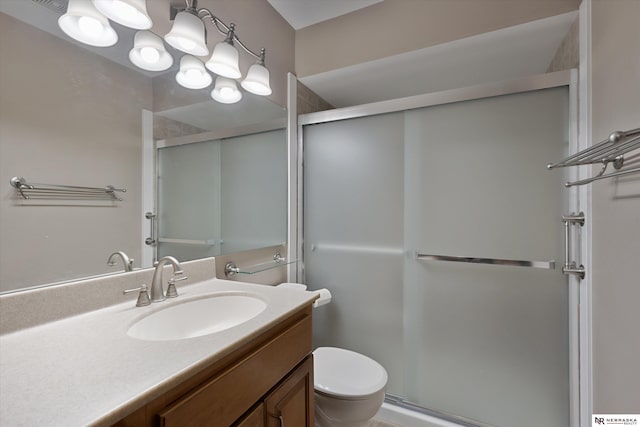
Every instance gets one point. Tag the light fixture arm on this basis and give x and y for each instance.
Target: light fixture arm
(229, 32)
(192, 7)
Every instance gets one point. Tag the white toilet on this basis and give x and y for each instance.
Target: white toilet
(349, 387)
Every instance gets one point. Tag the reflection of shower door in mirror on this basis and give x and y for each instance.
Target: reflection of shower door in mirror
(222, 196)
(483, 342)
(189, 200)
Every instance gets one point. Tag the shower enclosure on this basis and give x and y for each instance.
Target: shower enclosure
(221, 196)
(437, 228)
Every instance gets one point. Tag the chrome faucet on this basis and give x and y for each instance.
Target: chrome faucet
(157, 291)
(128, 262)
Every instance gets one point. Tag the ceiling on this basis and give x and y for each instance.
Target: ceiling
(505, 54)
(302, 13)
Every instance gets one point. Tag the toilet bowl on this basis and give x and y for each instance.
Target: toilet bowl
(349, 387)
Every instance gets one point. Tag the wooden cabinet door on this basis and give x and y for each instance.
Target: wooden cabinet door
(222, 400)
(291, 403)
(254, 418)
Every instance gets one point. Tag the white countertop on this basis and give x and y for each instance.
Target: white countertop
(86, 370)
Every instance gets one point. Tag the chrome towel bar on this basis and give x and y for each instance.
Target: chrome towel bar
(601, 175)
(51, 191)
(609, 151)
(547, 265)
(231, 269)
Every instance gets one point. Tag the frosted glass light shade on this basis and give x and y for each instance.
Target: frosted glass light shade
(257, 80)
(226, 91)
(149, 53)
(130, 13)
(84, 23)
(187, 34)
(192, 74)
(224, 61)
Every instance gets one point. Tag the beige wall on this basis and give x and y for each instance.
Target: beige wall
(397, 26)
(616, 211)
(67, 116)
(568, 54)
(309, 102)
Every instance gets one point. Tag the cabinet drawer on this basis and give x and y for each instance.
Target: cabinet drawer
(222, 400)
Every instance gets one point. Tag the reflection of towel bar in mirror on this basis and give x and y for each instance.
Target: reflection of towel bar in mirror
(548, 265)
(203, 242)
(52, 191)
(609, 151)
(231, 269)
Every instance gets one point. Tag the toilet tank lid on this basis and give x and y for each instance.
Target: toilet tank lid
(347, 374)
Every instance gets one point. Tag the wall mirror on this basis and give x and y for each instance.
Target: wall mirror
(79, 116)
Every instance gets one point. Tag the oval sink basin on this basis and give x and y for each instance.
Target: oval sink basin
(197, 317)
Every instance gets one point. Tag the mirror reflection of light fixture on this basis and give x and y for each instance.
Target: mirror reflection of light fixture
(149, 52)
(224, 60)
(84, 23)
(257, 80)
(192, 74)
(187, 33)
(226, 91)
(130, 13)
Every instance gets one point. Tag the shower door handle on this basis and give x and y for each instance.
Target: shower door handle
(151, 241)
(571, 267)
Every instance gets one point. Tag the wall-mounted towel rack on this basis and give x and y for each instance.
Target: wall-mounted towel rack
(51, 191)
(609, 151)
(231, 269)
(196, 242)
(547, 265)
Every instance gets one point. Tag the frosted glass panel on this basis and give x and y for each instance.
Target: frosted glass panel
(222, 196)
(484, 342)
(353, 202)
(253, 195)
(189, 200)
(489, 343)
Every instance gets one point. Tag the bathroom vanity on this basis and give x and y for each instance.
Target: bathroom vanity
(86, 369)
(266, 382)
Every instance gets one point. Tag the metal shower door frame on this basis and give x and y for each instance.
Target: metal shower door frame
(566, 78)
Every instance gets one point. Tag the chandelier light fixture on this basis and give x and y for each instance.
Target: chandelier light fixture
(149, 52)
(130, 13)
(87, 21)
(188, 34)
(84, 23)
(192, 74)
(225, 58)
(226, 91)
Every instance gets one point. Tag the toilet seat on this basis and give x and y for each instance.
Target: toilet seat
(346, 374)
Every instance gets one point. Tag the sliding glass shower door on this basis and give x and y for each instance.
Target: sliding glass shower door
(394, 202)
(353, 236)
(222, 196)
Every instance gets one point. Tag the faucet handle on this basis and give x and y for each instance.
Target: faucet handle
(179, 276)
(143, 297)
(172, 292)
